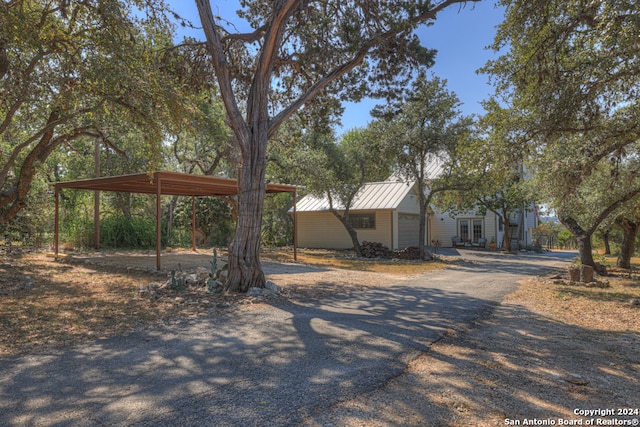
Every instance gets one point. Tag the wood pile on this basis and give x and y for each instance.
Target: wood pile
(411, 252)
(375, 250)
(378, 250)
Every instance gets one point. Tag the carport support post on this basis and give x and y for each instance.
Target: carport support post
(193, 223)
(158, 233)
(56, 228)
(295, 226)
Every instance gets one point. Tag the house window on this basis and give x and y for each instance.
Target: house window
(477, 230)
(362, 220)
(470, 230)
(464, 230)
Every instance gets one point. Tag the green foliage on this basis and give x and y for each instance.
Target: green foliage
(277, 222)
(205, 141)
(319, 41)
(130, 233)
(214, 219)
(565, 238)
(180, 237)
(424, 137)
(33, 226)
(178, 279)
(571, 93)
(63, 85)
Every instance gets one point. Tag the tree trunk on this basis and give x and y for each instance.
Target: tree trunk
(245, 269)
(353, 234)
(630, 230)
(583, 239)
(506, 237)
(586, 249)
(607, 245)
(421, 231)
(13, 199)
(423, 213)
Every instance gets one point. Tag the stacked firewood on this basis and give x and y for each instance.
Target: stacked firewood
(375, 250)
(378, 250)
(411, 252)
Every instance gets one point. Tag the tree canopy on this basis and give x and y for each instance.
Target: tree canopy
(302, 56)
(570, 77)
(74, 70)
(424, 137)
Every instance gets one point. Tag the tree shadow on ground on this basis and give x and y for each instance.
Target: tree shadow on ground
(289, 363)
(516, 365)
(296, 360)
(145, 261)
(264, 367)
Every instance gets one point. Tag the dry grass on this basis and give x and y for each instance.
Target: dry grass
(45, 303)
(67, 304)
(609, 309)
(347, 260)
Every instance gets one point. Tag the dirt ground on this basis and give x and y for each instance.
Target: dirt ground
(550, 354)
(520, 366)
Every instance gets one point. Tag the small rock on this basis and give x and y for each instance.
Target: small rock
(634, 301)
(254, 292)
(576, 380)
(273, 287)
(179, 300)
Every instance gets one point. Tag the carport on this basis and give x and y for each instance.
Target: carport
(164, 183)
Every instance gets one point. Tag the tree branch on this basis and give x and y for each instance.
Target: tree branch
(355, 61)
(220, 64)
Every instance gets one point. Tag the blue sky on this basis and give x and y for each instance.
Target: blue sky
(460, 34)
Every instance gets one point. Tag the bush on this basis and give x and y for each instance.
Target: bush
(130, 233)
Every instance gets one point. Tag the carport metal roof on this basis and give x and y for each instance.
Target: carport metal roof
(171, 184)
(167, 183)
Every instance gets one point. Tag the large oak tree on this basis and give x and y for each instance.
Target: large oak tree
(424, 137)
(298, 53)
(570, 77)
(73, 70)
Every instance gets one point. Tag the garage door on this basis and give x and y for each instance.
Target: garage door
(408, 230)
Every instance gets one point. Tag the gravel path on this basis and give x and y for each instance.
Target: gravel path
(275, 365)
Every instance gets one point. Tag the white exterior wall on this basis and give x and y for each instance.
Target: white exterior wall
(530, 223)
(409, 204)
(324, 230)
(443, 228)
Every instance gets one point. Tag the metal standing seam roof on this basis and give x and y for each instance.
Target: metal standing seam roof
(169, 183)
(372, 196)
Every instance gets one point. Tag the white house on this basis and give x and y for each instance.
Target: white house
(385, 212)
(388, 212)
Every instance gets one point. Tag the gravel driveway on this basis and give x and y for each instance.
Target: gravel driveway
(277, 365)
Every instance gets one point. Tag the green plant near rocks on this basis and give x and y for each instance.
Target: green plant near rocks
(534, 248)
(214, 283)
(601, 259)
(177, 280)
